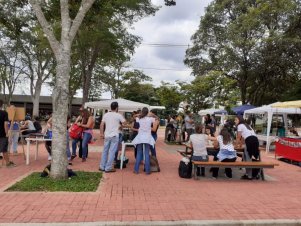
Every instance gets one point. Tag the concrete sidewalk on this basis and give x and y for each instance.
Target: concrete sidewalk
(126, 198)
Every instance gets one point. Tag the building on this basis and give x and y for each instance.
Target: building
(45, 103)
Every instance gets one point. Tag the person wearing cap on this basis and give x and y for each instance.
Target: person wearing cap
(112, 122)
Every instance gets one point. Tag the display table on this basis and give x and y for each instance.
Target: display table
(289, 148)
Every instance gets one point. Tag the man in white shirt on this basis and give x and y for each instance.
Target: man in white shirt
(111, 121)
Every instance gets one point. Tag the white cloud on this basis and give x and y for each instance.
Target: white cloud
(170, 25)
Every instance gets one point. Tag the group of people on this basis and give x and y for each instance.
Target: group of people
(226, 145)
(145, 126)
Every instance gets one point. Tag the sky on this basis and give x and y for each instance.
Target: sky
(172, 25)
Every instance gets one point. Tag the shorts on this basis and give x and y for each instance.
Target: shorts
(3, 144)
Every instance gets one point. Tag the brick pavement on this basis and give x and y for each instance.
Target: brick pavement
(124, 196)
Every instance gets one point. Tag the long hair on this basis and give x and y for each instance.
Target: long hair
(226, 136)
(86, 114)
(242, 121)
(144, 112)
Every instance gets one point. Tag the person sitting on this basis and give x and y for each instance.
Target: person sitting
(198, 142)
(226, 152)
(28, 127)
(37, 124)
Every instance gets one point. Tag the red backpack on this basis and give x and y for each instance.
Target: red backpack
(75, 131)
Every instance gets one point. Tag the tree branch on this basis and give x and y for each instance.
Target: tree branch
(85, 6)
(45, 26)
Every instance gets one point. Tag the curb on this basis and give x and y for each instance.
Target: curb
(279, 222)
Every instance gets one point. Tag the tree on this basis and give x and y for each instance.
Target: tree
(10, 69)
(246, 41)
(169, 96)
(62, 52)
(134, 88)
(39, 63)
(209, 91)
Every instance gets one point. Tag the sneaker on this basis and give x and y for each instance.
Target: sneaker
(73, 157)
(245, 177)
(228, 176)
(110, 171)
(100, 169)
(10, 164)
(214, 178)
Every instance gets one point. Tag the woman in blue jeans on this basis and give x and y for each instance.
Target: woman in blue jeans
(144, 140)
(88, 124)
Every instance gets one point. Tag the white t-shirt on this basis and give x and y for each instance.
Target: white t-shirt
(199, 144)
(144, 135)
(245, 132)
(112, 122)
(188, 125)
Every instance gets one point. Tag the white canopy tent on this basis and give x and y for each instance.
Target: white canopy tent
(123, 105)
(269, 110)
(218, 112)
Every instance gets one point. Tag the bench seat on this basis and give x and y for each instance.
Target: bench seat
(239, 164)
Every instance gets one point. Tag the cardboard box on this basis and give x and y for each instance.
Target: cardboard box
(16, 113)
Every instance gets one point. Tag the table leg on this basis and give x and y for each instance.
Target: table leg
(122, 154)
(27, 152)
(36, 154)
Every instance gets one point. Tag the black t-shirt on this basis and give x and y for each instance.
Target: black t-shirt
(3, 118)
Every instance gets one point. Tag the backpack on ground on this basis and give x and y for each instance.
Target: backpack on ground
(118, 162)
(47, 169)
(75, 131)
(154, 164)
(185, 168)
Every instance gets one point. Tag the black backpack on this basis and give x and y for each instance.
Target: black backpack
(185, 169)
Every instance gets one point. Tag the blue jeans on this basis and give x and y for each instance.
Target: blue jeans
(86, 139)
(74, 145)
(15, 137)
(139, 157)
(68, 147)
(108, 153)
(153, 148)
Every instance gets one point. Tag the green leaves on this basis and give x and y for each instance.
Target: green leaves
(248, 41)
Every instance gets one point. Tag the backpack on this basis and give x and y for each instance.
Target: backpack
(118, 162)
(75, 131)
(154, 164)
(185, 168)
(47, 169)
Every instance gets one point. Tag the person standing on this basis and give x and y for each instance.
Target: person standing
(144, 140)
(188, 124)
(4, 134)
(251, 141)
(155, 127)
(14, 137)
(111, 121)
(87, 124)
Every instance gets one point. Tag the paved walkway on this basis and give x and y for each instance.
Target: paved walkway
(127, 197)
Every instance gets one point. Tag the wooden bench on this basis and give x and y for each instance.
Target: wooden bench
(250, 165)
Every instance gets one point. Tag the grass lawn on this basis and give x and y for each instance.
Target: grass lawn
(83, 182)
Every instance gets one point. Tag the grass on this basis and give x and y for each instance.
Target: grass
(83, 182)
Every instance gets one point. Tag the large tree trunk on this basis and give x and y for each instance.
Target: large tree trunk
(86, 85)
(36, 98)
(60, 112)
(62, 52)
